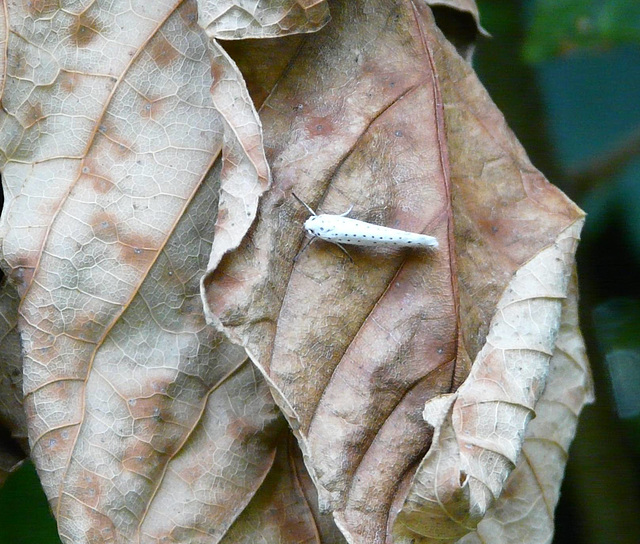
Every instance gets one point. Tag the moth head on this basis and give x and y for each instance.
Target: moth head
(318, 225)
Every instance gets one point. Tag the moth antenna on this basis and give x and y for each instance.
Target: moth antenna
(347, 212)
(303, 203)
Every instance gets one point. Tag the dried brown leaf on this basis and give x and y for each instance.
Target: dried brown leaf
(353, 350)
(148, 426)
(245, 172)
(284, 510)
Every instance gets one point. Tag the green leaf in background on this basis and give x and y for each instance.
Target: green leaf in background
(25, 517)
(561, 26)
(617, 323)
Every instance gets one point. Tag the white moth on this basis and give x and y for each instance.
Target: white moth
(340, 229)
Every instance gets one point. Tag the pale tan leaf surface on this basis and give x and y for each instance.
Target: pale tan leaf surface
(208, 487)
(352, 350)
(99, 170)
(524, 512)
(109, 135)
(157, 418)
(239, 19)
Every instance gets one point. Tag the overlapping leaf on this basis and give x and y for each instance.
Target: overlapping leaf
(109, 134)
(352, 351)
(487, 419)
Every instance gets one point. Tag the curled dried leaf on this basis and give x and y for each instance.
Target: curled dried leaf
(546, 443)
(480, 429)
(245, 172)
(234, 19)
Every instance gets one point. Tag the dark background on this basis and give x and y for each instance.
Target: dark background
(566, 74)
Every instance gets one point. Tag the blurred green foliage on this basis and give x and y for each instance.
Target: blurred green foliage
(617, 323)
(561, 26)
(25, 517)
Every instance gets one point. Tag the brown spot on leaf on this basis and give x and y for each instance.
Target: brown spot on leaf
(152, 406)
(17, 64)
(319, 126)
(189, 13)
(21, 274)
(34, 114)
(241, 430)
(151, 109)
(141, 458)
(86, 326)
(68, 81)
(86, 487)
(162, 52)
(84, 30)
(217, 73)
(104, 227)
(109, 141)
(123, 150)
(223, 216)
(137, 255)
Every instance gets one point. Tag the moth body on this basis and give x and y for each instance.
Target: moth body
(344, 230)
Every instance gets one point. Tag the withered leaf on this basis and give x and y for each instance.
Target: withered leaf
(480, 428)
(524, 512)
(399, 127)
(144, 423)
